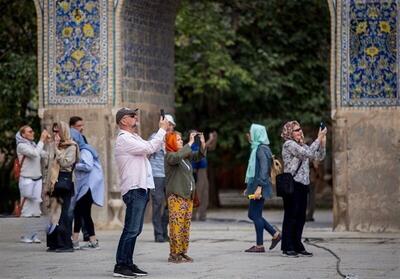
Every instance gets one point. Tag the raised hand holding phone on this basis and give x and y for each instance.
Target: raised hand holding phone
(163, 122)
(322, 133)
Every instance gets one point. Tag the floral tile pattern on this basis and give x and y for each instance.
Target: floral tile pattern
(77, 52)
(370, 53)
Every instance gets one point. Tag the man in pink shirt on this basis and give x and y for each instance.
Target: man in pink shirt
(136, 178)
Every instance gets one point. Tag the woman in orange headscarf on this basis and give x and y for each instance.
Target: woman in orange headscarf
(180, 187)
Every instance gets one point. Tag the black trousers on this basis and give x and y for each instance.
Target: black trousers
(60, 238)
(294, 218)
(83, 210)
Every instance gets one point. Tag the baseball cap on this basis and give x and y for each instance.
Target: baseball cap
(124, 111)
(170, 119)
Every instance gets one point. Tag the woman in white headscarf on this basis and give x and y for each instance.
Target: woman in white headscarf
(30, 180)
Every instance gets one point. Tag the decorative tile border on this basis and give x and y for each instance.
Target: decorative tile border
(77, 52)
(370, 53)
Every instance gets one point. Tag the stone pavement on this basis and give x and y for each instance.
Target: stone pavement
(216, 245)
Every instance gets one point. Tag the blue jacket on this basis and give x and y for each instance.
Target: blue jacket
(262, 173)
(89, 175)
(202, 164)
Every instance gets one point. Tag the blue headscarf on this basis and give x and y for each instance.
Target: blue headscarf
(258, 135)
(79, 139)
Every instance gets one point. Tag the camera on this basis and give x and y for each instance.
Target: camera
(162, 113)
(322, 125)
(197, 139)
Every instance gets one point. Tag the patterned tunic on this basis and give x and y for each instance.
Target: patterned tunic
(294, 154)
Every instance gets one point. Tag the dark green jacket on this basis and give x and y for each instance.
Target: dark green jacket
(179, 178)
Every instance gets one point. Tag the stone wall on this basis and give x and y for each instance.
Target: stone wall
(367, 171)
(100, 131)
(147, 49)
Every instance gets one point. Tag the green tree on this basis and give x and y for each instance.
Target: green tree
(239, 62)
(18, 86)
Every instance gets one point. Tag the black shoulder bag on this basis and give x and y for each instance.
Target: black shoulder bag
(285, 183)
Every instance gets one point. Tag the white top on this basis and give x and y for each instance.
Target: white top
(131, 153)
(31, 167)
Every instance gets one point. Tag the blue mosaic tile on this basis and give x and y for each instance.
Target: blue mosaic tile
(77, 52)
(370, 53)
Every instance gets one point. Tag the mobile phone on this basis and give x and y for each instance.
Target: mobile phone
(197, 139)
(322, 125)
(162, 113)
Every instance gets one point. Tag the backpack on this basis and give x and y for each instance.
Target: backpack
(17, 168)
(276, 168)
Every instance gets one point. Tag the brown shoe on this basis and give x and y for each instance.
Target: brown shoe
(255, 249)
(275, 241)
(186, 258)
(174, 258)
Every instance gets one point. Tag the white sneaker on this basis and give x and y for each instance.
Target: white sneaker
(75, 244)
(91, 245)
(35, 239)
(25, 239)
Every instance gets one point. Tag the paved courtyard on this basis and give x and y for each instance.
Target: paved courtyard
(216, 245)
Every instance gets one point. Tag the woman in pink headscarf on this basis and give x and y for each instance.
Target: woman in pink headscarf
(296, 155)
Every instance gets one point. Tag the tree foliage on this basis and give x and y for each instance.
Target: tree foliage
(18, 84)
(240, 62)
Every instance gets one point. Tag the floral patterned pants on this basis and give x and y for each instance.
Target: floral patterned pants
(180, 215)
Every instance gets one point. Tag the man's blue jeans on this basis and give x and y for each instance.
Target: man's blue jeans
(136, 201)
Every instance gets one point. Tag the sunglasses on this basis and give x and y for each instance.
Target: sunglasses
(129, 115)
(297, 130)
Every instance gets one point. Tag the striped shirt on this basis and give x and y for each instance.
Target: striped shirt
(157, 161)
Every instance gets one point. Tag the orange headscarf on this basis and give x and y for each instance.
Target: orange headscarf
(171, 143)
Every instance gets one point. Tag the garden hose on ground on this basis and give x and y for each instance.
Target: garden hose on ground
(309, 241)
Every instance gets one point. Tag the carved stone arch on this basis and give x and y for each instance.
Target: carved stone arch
(366, 145)
(140, 71)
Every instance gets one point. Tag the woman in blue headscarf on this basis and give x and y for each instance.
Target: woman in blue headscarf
(259, 186)
(89, 189)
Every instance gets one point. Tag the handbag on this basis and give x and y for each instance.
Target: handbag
(64, 182)
(18, 207)
(17, 167)
(285, 183)
(196, 201)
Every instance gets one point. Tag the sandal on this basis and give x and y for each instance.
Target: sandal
(186, 258)
(174, 258)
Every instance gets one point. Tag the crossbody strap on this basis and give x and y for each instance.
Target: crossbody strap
(298, 168)
(22, 161)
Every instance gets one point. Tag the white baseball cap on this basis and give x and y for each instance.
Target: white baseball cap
(170, 119)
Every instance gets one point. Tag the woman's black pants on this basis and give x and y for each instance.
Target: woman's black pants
(294, 218)
(83, 211)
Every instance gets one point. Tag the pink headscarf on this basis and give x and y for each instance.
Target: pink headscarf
(287, 131)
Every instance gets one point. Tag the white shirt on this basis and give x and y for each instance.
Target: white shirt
(131, 158)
